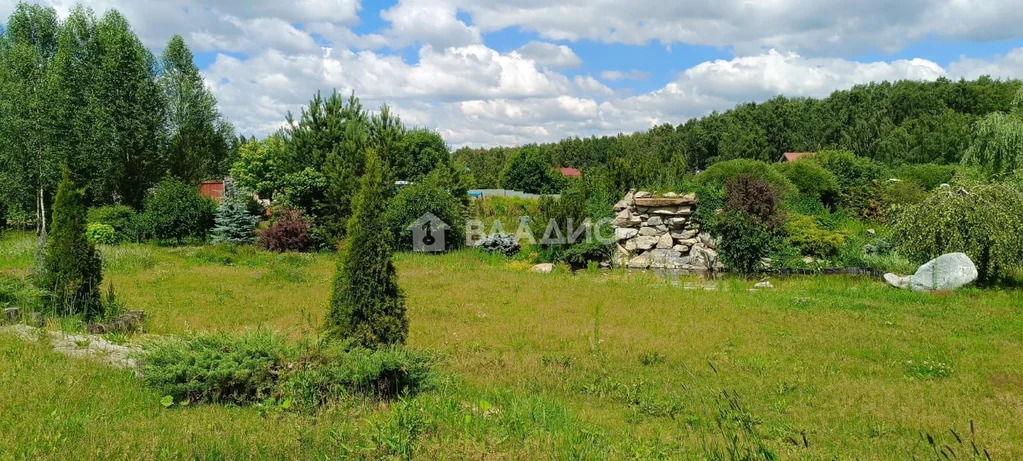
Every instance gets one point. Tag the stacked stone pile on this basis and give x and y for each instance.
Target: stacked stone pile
(658, 232)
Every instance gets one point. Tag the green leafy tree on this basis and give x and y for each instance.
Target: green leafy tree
(998, 145)
(367, 305)
(72, 271)
(234, 223)
(420, 152)
(262, 166)
(199, 142)
(528, 171)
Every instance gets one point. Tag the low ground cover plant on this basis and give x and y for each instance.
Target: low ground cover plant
(260, 367)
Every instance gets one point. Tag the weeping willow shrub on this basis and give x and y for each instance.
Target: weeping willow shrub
(998, 148)
(983, 221)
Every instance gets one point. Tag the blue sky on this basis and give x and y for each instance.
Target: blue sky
(518, 71)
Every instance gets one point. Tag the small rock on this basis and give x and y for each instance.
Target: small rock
(646, 242)
(35, 320)
(897, 281)
(640, 262)
(655, 221)
(546, 268)
(643, 194)
(666, 242)
(670, 195)
(766, 284)
(625, 233)
(648, 231)
(681, 249)
(685, 235)
(871, 231)
(11, 315)
(808, 260)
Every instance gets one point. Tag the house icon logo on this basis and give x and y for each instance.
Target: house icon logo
(428, 234)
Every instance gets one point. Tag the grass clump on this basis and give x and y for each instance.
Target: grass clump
(260, 367)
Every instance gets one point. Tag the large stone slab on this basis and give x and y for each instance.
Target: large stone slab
(658, 202)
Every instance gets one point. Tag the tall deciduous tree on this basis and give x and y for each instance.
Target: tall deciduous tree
(367, 306)
(199, 141)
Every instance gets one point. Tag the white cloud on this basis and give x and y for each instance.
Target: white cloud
(812, 27)
(616, 75)
(550, 55)
(429, 22)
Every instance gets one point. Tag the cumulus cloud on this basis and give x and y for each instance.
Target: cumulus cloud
(429, 22)
(809, 27)
(550, 55)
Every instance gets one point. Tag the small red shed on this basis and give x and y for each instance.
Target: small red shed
(212, 189)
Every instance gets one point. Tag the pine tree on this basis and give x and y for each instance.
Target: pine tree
(72, 270)
(367, 306)
(234, 223)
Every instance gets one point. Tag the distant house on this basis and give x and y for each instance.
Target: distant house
(212, 189)
(570, 172)
(790, 157)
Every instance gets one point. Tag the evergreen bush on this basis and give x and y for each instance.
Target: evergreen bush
(71, 271)
(367, 306)
(719, 174)
(750, 224)
(812, 180)
(234, 223)
(119, 217)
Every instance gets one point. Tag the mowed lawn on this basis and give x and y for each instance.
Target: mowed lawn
(585, 365)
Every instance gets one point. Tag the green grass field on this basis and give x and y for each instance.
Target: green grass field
(578, 366)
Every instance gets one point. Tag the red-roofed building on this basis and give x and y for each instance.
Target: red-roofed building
(570, 172)
(790, 157)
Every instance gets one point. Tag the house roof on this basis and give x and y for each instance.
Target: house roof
(793, 156)
(570, 172)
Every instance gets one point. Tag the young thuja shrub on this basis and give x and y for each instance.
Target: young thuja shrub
(367, 306)
(71, 271)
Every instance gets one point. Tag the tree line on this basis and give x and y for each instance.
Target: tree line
(85, 93)
(906, 122)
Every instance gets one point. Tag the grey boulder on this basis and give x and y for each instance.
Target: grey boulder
(947, 272)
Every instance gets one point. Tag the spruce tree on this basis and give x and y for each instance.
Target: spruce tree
(234, 223)
(367, 306)
(72, 270)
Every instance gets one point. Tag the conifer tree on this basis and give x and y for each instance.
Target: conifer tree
(72, 270)
(367, 306)
(234, 223)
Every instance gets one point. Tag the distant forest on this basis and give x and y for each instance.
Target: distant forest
(906, 122)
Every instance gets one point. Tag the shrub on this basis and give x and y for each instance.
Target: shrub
(902, 193)
(718, 174)
(176, 211)
(234, 223)
(849, 169)
(755, 198)
(119, 217)
(71, 271)
(927, 175)
(810, 238)
(367, 306)
(102, 234)
(983, 221)
(744, 242)
(507, 245)
(262, 367)
(288, 231)
(414, 201)
(749, 225)
(812, 180)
